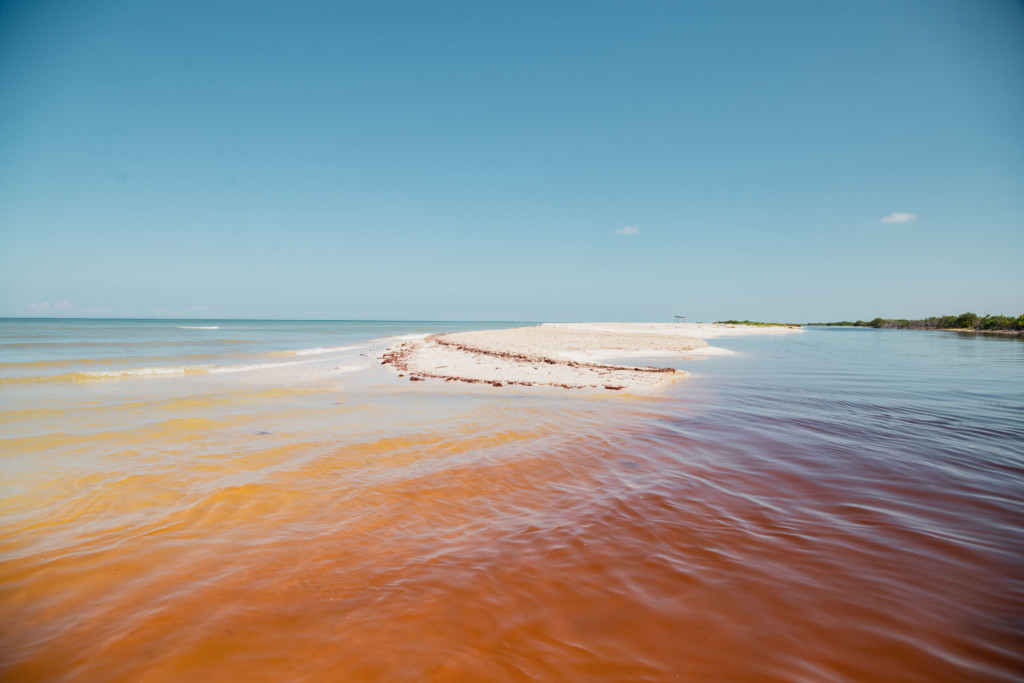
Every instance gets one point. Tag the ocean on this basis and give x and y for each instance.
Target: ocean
(261, 500)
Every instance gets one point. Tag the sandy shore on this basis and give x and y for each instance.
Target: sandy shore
(561, 354)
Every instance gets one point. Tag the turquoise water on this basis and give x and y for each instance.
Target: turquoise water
(225, 499)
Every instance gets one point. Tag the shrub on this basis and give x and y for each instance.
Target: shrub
(967, 320)
(997, 322)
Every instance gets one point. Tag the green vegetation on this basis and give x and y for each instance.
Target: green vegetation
(964, 321)
(752, 322)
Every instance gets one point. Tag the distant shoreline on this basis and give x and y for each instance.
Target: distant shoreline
(965, 322)
(1010, 333)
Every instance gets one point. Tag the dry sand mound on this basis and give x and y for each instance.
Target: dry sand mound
(538, 356)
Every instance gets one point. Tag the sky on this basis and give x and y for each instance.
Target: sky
(789, 161)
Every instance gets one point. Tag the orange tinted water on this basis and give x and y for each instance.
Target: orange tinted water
(428, 532)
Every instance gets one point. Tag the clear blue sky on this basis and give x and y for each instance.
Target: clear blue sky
(483, 160)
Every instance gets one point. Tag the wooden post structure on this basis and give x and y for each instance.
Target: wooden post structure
(680, 318)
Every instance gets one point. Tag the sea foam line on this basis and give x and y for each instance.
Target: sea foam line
(161, 371)
(320, 350)
(368, 345)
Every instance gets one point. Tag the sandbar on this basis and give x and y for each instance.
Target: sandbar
(561, 354)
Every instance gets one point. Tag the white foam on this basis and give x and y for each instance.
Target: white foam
(219, 369)
(144, 372)
(200, 327)
(158, 371)
(317, 363)
(321, 350)
(402, 337)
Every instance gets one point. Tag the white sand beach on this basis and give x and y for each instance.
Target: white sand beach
(562, 354)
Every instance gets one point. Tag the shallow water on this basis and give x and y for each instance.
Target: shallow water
(834, 505)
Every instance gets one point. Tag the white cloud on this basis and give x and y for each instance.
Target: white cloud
(898, 217)
(628, 230)
(47, 306)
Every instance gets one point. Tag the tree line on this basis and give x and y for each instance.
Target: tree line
(964, 321)
(754, 322)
